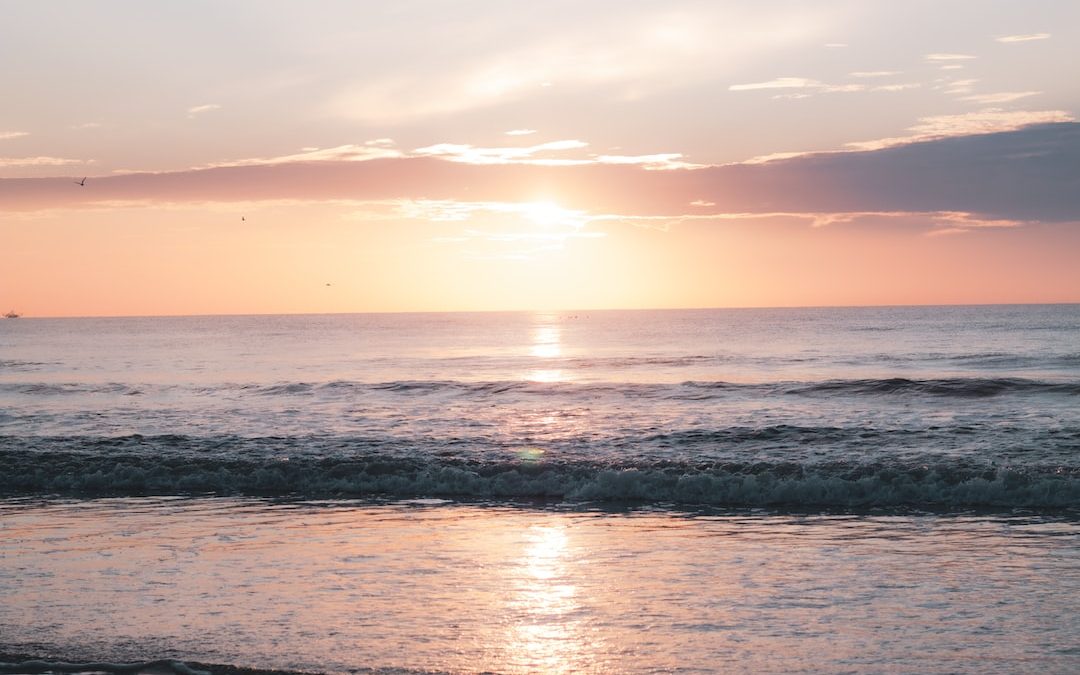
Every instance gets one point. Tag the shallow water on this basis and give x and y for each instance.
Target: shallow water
(484, 587)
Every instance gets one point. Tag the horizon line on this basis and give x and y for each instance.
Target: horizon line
(551, 310)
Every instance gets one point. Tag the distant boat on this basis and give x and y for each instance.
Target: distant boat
(12, 315)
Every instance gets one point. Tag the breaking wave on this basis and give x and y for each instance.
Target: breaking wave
(190, 466)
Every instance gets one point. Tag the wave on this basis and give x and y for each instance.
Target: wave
(183, 466)
(960, 387)
(619, 362)
(43, 666)
(68, 388)
(1007, 360)
(18, 365)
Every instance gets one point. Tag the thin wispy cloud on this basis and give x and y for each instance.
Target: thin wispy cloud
(540, 155)
(5, 135)
(958, 86)
(991, 120)
(1001, 97)
(1008, 39)
(520, 132)
(874, 73)
(663, 160)
(803, 87)
(461, 152)
(934, 58)
(950, 223)
(6, 162)
(377, 149)
(199, 109)
(934, 223)
(778, 83)
(904, 86)
(798, 83)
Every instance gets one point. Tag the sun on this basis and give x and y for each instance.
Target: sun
(550, 214)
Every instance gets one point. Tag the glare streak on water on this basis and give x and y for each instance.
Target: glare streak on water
(469, 588)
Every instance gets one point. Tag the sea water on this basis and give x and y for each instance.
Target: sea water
(861, 489)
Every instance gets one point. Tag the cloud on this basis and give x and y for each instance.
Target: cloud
(520, 132)
(874, 73)
(904, 86)
(988, 121)
(1023, 38)
(801, 83)
(803, 87)
(459, 152)
(537, 155)
(1023, 174)
(5, 135)
(380, 148)
(958, 86)
(778, 83)
(948, 57)
(933, 223)
(1011, 172)
(960, 223)
(199, 109)
(665, 160)
(6, 162)
(1002, 97)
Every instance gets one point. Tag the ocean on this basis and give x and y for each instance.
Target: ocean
(692, 491)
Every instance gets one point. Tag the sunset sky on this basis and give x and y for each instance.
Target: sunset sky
(263, 157)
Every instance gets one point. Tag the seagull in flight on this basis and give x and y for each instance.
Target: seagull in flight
(80, 182)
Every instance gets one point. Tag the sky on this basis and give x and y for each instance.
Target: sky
(285, 157)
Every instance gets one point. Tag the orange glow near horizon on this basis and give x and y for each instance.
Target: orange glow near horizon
(211, 261)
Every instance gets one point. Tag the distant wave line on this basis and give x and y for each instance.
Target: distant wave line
(957, 387)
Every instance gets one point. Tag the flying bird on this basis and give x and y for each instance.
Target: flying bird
(80, 182)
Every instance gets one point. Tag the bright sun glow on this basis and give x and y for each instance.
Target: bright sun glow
(549, 214)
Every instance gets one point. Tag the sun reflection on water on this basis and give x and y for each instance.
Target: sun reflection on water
(546, 343)
(546, 635)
